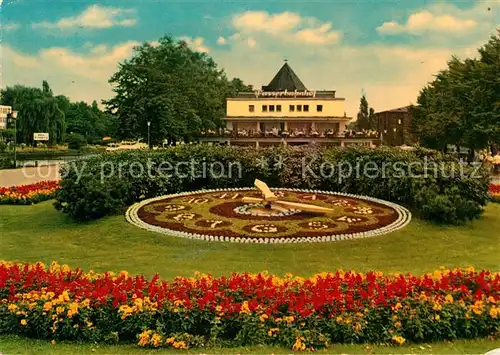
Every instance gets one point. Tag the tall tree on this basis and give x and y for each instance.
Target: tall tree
(176, 89)
(38, 112)
(366, 116)
(462, 105)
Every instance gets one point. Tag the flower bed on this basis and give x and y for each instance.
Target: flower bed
(58, 303)
(28, 194)
(494, 191)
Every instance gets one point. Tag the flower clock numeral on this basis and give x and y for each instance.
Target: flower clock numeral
(213, 222)
(363, 210)
(173, 208)
(310, 197)
(279, 193)
(317, 225)
(341, 203)
(265, 228)
(198, 201)
(349, 219)
(184, 216)
(228, 196)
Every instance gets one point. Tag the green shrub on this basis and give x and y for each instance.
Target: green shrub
(76, 141)
(106, 184)
(6, 163)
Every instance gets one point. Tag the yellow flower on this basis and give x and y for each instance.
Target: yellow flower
(244, 307)
(299, 345)
(398, 339)
(59, 310)
(263, 317)
(170, 340)
(12, 307)
(47, 306)
(397, 324)
(494, 312)
(179, 345)
(272, 331)
(144, 338)
(23, 322)
(437, 306)
(52, 341)
(289, 319)
(437, 317)
(449, 298)
(156, 340)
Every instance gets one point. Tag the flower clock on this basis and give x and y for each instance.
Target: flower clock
(262, 215)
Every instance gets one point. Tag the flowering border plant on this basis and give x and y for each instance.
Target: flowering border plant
(28, 194)
(494, 191)
(59, 303)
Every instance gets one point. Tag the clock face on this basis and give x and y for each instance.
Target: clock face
(221, 215)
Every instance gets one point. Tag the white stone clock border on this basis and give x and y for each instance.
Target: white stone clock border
(404, 217)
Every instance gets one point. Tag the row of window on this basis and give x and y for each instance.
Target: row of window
(5, 110)
(291, 108)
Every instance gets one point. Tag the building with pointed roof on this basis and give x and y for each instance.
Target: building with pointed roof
(286, 112)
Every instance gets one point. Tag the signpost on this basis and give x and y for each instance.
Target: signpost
(40, 136)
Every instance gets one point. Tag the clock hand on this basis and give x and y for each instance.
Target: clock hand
(296, 205)
(268, 194)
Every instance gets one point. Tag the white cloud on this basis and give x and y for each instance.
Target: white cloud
(95, 16)
(288, 26)
(221, 40)
(10, 27)
(196, 44)
(423, 21)
(251, 42)
(444, 18)
(81, 77)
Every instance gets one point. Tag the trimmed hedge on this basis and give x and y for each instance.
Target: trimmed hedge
(106, 184)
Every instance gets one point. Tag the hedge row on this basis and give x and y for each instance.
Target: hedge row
(434, 186)
(241, 310)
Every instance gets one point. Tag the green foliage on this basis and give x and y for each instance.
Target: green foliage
(90, 121)
(180, 91)
(6, 163)
(432, 185)
(366, 116)
(460, 107)
(38, 112)
(76, 141)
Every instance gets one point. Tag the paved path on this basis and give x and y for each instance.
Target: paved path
(24, 176)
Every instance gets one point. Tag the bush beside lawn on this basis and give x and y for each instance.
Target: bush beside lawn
(111, 182)
(58, 303)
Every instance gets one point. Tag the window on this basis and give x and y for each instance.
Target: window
(306, 108)
(278, 108)
(299, 108)
(394, 129)
(271, 108)
(319, 108)
(292, 108)
(399, 121)
(282, 126)
(251, 108)
(264, 108)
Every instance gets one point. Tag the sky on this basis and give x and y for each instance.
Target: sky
(387, 49)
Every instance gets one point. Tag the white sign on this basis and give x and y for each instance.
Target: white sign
(286, 93)
(40, 136)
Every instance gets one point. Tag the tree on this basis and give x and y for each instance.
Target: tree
(38, 112)
(366, 116)
(181, 92)
(462, 105)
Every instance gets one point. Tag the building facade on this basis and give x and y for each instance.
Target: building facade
(395, 126)
(286, 112)
(5, 111)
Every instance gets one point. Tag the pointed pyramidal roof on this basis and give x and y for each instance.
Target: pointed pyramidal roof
(285, 79)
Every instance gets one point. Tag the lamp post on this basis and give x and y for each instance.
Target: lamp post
(13, 115)
(149, 135)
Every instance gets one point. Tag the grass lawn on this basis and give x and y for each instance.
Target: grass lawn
(16, 345)
(33, 233)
